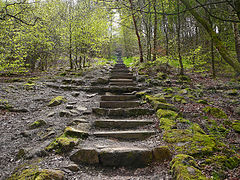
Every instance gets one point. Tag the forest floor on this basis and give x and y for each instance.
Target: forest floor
(25, 100)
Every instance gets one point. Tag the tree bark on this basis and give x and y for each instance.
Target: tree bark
(136, 31)
(237, 40)
(179, 41)
(155, 32)
(217, 42)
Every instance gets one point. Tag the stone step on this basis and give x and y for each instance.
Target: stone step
(125, 135)
(121, 123)
(114, 156)
(120, 112)
(119, 104)
(122, 76)
(119, 98)
(120, 70)
(122, 83)
(119, 156)
(121, 80)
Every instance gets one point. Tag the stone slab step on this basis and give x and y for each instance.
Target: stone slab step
(119, 98)
(122, 83)
(125, 135)
(120, 112)
(122, 76)
(114, 156)
(121, 123)
(121, 80)
(120, 70)
(119, 104)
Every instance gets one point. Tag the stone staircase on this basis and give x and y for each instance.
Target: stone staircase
(119, 129)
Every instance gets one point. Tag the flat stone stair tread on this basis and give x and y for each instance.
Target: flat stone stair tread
(123, 112)
(114, 156)
(126, 135)
(119, 104)
(117, 76)
(122, 83)
(121, 123)
(121, 80)
(118, 98)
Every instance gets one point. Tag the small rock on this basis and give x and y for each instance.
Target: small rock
(80, 108)
(74, 112)
(64, 113)
(191, 170)
(37, 124)
(57, 101)
(69, 107)
(21, 153)
(25, 133)
(91, 95)
(73, 167)
(75, 94)
(51, 114)
(72, 103)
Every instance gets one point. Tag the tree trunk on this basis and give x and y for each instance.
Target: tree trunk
(137, 33)
(237, 40)
(179, 41)
(165, 29)
(217, 42)
(155, 32)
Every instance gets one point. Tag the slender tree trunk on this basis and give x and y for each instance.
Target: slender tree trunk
(155, 31)
(137, 33)
(237, 40)
(179, 41)
(70, 37)
(217, 42)
(149, 32)
(165, 29)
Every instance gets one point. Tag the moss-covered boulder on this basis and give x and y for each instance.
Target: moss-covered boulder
(202, 101)
(37, 174)
(161, 113)
(184, 167)
(161, 76)
(62, 144)
(162, 153)
(57, 101)
(191, 141)
(37, 124)
(215, 112)
(236, 126)
(73, 132)
(232, 92)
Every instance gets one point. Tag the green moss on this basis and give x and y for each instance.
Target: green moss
(161, 113)
(62, 144)
(215, 112)
(37, 174)
(72, 132)
(37, 124)
(192, 141)
(4, 104)
(161, 76)
(57, 101)
(202, 101)
(166, 123)
(236, 127)
(180, 99)
(218, 130)
(184, 167)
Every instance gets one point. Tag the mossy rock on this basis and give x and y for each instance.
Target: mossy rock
(215, 112)
(236, 126)
(57, 101)
(202, 101)
(178, 98)
(37, 174)
(185, 167)
(166, 123)
(4, 104)
(160, 105)
(232, 92)
(62, 144)
(162, 153)
(72, 132)
(161, 113)
(37, 124)
(152, 99)
(161, 76)
(192, 141)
